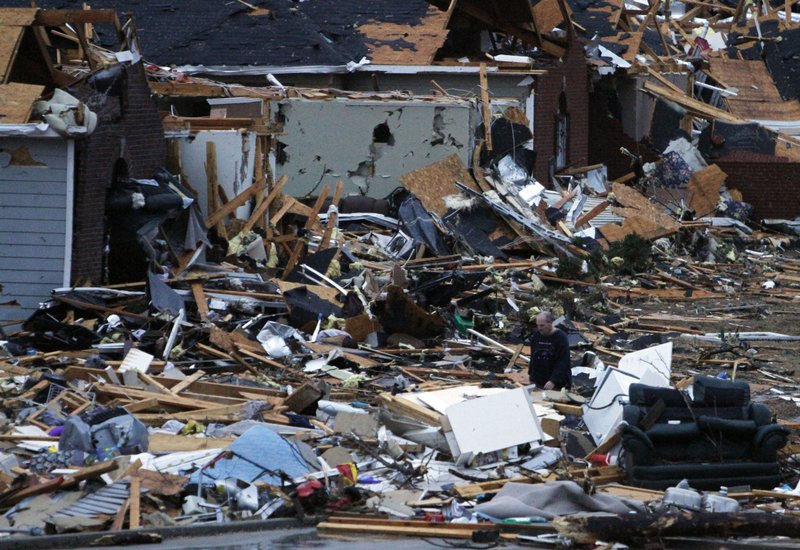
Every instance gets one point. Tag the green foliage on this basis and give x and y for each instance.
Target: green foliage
(635, 253)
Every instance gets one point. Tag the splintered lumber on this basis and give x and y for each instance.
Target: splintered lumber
(90, 472)
(633, 528)
(133, 521)
(200, 299)
(407, 408)
(216, 414)
(473, 490)
(486, 110)
(566, 408)
(141, 405)
(162, 399)
(326, 236)
(359, 519)
(188, 381)
(119, 519)
(12, 497)
(233, 204)
(261, 209)
(310, 223)
(164, 443)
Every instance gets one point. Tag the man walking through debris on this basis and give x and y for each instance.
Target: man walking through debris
(549, 368)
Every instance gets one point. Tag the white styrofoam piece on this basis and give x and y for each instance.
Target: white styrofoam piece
(440, 400)
(657, 358)
(494, 422)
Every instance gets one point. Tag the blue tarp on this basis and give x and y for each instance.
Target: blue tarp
(258, 454)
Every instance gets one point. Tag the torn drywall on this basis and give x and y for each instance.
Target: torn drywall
(366, 144)
(235, 152)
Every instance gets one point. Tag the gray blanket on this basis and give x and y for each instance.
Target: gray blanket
(549, 500)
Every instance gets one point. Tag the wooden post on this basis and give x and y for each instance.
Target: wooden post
(133, 521)
(487, 112)
(332, 219)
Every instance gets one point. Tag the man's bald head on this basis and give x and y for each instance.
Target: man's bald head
(544, 323)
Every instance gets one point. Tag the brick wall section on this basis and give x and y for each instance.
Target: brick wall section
(569, 75)
(606, 136)
(771, 186)
(130, 130)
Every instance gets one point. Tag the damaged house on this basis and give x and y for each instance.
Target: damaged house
(723, 77)
(389, 60)
(73, 121)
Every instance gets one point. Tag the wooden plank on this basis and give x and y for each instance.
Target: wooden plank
(486, 108)
(591, 214)
(90, 472)
(310, 223)
(200, 300)
(332, 218)
(119, 519)
(261, 209)
(188, 381)
(164, 443)
(58, 18)
(232, 205)
(147, 379)
(134, 519)
(134, 394)
(473, 490)
(211, 177)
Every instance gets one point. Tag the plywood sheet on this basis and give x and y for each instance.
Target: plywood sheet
(16, 101)
(641, 216)
(10, 37)
(704, 188)
(548, 15)
(18, 17)
(434, 182)
(405, 44)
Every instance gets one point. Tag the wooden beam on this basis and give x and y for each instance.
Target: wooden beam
(235, 203)
(591, 214)
(133, 521)
(119, 519)
(261, 209)
(58, 18)
(486, 108)
(200, 300)
(310, 223)
(326, 236)
(211, 177)
(186, 382)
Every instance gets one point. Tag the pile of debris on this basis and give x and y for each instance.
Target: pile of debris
(367, 361)
(259, 356)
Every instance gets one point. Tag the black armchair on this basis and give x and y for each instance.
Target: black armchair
(718, 438)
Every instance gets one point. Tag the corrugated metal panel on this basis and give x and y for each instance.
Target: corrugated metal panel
(605, 217)
(107, 500)
(34, 221)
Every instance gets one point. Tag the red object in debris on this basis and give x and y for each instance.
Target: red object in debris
(307, 489)
(603, 460)
(434, 518)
